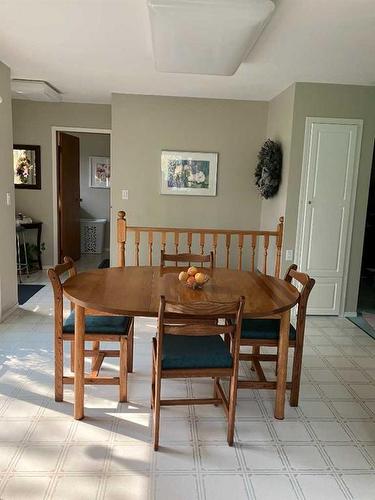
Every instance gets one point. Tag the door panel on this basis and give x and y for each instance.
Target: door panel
(68, 196)
(327, 292)
(331, 158)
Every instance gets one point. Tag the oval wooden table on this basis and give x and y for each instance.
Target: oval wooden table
(136, 291)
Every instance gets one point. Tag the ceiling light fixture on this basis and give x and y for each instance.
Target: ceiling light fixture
(35, 90)
(209, 37)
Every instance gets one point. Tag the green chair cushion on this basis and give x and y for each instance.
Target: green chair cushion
(99, 324)
(187, 351)
(268, 329)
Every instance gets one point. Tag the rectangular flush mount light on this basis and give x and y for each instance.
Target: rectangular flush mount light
(34, 90)
(209, 37)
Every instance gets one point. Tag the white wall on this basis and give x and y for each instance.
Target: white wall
(8, 277)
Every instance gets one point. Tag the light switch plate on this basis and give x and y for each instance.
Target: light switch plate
(289, 255)
(125, 194)
(9, 200)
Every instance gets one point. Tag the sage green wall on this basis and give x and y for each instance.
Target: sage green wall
(142, 126)
(333, 101)
(279, 128)
(8, 277)
(32, 124)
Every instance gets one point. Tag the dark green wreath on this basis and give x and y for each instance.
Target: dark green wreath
(268, 169)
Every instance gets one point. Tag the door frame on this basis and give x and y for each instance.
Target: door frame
(310, 120)
(55, 211)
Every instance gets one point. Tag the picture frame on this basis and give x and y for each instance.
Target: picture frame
(100, 172)
(188, 173)
(26, 166)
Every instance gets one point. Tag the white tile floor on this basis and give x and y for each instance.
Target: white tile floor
(324, 449)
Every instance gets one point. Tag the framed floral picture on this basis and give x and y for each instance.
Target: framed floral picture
(26, 166)
(100, 172)
(188, 173)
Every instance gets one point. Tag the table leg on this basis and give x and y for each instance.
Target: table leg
(79, 362)
(282, 364)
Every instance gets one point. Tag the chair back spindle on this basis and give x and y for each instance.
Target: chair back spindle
(186, 258)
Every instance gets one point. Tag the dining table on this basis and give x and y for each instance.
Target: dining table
(136, 291)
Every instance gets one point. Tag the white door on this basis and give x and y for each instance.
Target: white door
(327, 202)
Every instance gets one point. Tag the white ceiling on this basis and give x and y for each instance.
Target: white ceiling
(90, 48)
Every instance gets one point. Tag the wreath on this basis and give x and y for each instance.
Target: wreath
(268, 169)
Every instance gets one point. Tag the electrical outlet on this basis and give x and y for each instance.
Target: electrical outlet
(289, 255)
(125, 194)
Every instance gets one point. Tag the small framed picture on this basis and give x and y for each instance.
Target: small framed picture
(26, 166)
(188, 173)
(100, 172)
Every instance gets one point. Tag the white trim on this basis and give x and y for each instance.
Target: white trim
(301, 212)
(9, 312)
(350, 314)
(55, 129)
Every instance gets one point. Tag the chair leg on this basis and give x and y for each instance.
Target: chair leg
(95, 348)
(157, 411)
(215, 391)
(19, 269)
(153, 383)
(296, 375)
(131, 347)
(59, 369)
(227, 340)
(72, 356)
(276, 366)
(256, 350)
(25, 252)
(232, 408)
(123, 375)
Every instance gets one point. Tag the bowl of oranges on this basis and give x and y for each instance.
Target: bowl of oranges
(193, 278)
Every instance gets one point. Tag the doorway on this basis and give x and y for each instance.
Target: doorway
(82, 195)
(366, 296)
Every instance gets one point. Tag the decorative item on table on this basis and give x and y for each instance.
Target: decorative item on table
(184, 173)
(193, 278)
(100, 172)
(26, 166)
(23, 219)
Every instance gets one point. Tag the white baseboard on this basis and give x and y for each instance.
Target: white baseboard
(350, 314)
(9, 312)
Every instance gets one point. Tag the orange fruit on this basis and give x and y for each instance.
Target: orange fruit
(183, 276)
(191, 280)
(200, 278)
(192, 271)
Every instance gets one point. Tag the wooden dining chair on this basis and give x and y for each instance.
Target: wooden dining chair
(186, 346)
(264, 332)
(99, 327)
(186, 258)
(121, 239)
